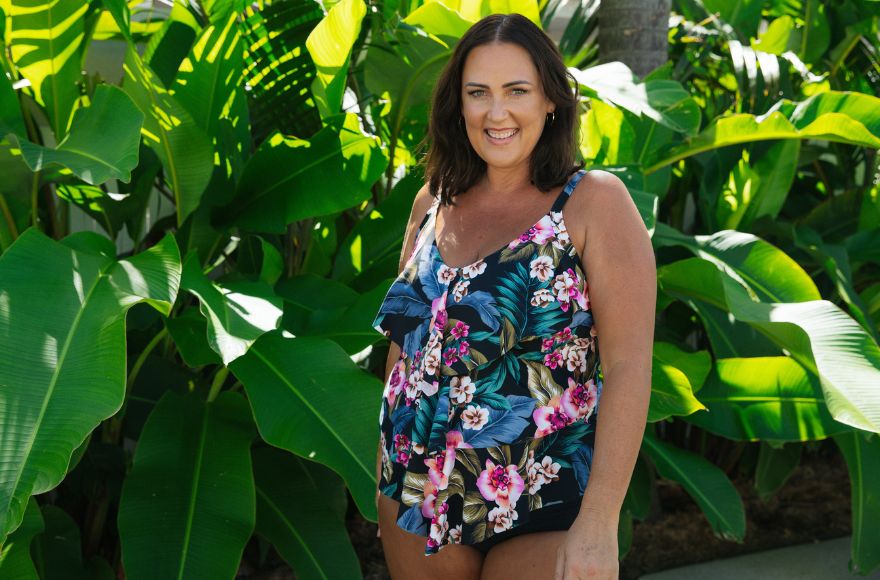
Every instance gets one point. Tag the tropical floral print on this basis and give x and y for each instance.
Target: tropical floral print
(490, 412)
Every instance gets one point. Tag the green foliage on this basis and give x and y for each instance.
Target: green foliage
(252, 167)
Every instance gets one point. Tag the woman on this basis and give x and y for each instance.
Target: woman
(489, 417)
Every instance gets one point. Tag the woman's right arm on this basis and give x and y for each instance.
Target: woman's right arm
(421, 204)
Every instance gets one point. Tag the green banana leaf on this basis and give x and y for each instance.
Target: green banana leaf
(862, 454)
(842, 117)
(102, 143)
(765, 399)
(301, 509)
(57, 551)
(286, 180)
(184, 149)
(817, 334)
(45, 42)
(65, 322)
(188, 506)
(706, 483)
(238, 312)
(308, 397)
(330, 45)
(775, 466)
(15, 557)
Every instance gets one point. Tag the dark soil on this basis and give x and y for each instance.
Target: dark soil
(813, 505)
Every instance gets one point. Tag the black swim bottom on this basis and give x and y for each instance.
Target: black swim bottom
(551, 518)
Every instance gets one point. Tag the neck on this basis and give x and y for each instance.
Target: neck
(497, 184)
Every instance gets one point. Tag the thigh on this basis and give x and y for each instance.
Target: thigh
(529, 556)
(405, 552)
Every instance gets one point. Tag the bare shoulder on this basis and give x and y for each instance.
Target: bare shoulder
(421, 204)
(600, 202)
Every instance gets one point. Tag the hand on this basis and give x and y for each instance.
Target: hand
(589, 551)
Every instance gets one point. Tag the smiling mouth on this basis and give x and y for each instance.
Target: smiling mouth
(501, 135)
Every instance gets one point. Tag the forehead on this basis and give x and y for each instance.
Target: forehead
(498, 63)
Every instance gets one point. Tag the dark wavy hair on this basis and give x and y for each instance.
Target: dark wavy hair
(451, 164)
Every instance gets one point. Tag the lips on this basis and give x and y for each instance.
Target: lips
(501, 135)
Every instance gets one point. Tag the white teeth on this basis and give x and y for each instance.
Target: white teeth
(501, 134)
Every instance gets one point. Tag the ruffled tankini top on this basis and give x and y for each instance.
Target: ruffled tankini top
(489, 414)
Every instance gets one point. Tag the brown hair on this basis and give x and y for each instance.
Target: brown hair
(451, 164)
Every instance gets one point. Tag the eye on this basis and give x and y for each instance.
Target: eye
(477, 93)
(520, 91)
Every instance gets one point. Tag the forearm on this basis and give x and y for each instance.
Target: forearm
(620, 426)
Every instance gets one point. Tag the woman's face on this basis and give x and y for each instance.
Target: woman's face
(503, 104)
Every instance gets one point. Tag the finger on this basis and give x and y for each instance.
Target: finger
(560, 565)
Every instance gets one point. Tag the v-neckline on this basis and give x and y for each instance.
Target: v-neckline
(564, 192)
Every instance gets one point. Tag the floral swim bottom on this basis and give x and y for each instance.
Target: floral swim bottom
(550, 518)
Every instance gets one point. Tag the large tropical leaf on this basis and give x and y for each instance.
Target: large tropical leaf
(188, 506)
(62, 327)
(238, 312)
(764, 399)
(309, 397)
(862, 454)
(278, 68)
(842, 117)
(286, 179)
(301, 509)
(184, 148)
(330, 46)
(15, 557)
(817, 334)
(704, 481)
(45, 42)
(102, 143)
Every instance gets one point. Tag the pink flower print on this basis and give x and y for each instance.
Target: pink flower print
(463, 348)
(396, 381)
(563, 335)
(502, 518)
(584, 297)
(461, 389)
(438, 476)
(430, 493)
(439, 525)
(460, 330)
(550, 418)
(553, 359)
(445, 274)
(541, 268)
(546, 344)
(450, 355)
(455, 440)
(475, 417)
(501, 484)
(579, 399)
(473, 270)
(401, 449)
(542, 298)
(438, 310)
(544, 230)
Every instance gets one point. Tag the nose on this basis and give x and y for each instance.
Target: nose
(497, 111)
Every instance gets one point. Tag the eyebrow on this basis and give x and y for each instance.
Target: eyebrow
(504, 86)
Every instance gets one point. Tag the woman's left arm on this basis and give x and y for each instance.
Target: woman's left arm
(621, 270)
